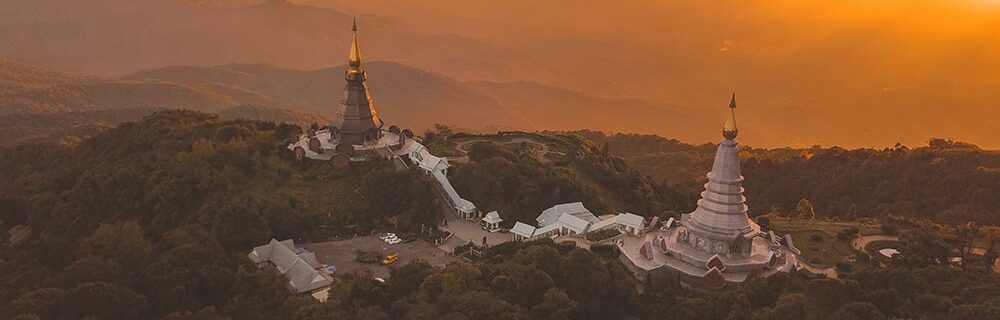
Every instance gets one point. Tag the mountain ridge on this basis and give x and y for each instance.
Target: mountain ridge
(403, 95)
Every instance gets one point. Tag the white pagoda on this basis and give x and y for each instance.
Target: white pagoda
(715, 246)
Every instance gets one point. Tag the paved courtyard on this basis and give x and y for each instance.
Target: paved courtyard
(467, 230)
(342, 254)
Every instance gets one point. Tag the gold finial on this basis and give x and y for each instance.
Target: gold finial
(354, 58)
(729, 131)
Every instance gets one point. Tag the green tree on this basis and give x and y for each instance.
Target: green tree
(122, 242)
(239, 223)
(43, 302)
(102, 300)
(804, 210)
(858, 311)
(555, 305)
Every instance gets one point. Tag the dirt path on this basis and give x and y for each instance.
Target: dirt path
(463, 147)
(861, 242)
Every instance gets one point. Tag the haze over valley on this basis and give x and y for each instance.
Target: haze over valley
(847, 73)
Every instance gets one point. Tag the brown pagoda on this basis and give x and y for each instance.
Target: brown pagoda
(360, 124)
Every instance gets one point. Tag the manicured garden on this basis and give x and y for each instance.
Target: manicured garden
(602, 234)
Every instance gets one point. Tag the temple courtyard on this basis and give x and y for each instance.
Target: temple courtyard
(342, 254)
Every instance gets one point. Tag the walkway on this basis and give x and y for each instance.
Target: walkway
(829, 272)
(861, 242)
(540, 154)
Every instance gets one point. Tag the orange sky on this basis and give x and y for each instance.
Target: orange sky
(832, 72)
(843, 72)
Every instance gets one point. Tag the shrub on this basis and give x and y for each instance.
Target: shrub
(848, 234)
(604, 249)
(889, 229)
(816, 237)
(844, 267)
(764, 223)
(565, 247)
(602, 234)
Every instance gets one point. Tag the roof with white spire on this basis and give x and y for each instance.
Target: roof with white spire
(729, 131)
(722, 212)
(354, 57)
(360, 123)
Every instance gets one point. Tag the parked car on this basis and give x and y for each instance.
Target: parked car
(390, 259)
(368, 256)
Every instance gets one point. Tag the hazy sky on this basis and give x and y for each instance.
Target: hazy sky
(831, 72)
(846, 72)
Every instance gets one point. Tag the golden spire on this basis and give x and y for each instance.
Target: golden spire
(729, 131)
(354, 58)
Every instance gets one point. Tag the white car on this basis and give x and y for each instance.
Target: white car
(392, 239)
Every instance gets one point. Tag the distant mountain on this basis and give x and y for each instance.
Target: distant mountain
(829, 73)
(249, 111)
(403, 95)
(418, 99)
(87, 37)
(72, 127)
(28, 89)
(62, 128)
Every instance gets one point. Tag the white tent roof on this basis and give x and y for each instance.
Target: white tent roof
(604, 223)
(304, 278)
(492, 217)
(435, 165)
(460, 203)
(298, 268)
(523, 229)
(421, 156)
(631, 220)
(670, 223)
(263, 253)
(551, 215)
(573, 223)
(548, 228)
(310, 259)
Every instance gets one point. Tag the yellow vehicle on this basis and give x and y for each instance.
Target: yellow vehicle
(390, 259)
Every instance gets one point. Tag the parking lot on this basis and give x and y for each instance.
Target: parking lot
(342, 254)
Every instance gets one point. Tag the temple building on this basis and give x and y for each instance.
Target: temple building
(360, 124)
(297, 265)
(356, 131)
(717, 245)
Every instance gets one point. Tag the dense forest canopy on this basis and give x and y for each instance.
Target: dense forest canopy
(154, 216)
(152, 220)
(946, 181)
(511, 179)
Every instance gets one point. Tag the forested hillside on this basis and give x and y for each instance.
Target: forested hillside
(154, 216)
(74, 126)
(152, 220)
(511, 179)
(946, 181)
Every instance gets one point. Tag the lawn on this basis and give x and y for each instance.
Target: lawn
(787, 225)
(821, 249)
